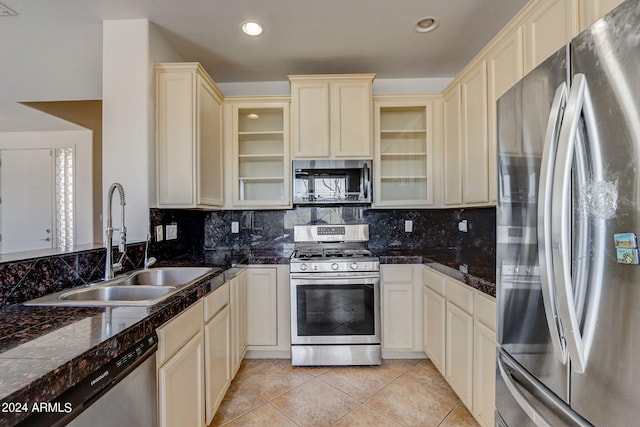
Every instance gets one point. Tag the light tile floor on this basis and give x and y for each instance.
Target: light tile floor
(398, 393)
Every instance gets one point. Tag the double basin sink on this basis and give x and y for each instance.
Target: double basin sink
(140, 288)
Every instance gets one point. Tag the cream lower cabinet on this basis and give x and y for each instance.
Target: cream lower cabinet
(181, 371)
(262, 306)
(434, 307)
(238, 302)
(217, 348)
(484, 358)
(268, 311)
(401, 310)
(459, 338)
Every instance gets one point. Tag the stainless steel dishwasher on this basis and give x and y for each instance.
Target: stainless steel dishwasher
(122, 392)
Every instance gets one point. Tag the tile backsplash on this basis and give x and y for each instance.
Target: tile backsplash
(432, 229)
(31, 278)
(197, 230)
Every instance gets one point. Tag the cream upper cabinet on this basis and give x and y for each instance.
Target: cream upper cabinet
(404, 151)
(592, 10)
(549, 26)
(189, 137)
(452, 151)
(465, 145)
(475, 171)
(257, 140)
(505, 66)
(331, 116)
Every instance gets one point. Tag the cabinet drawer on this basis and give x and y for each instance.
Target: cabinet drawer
(395, 274)
(460, 295)
(433, 281)
(215, 301)
(484, 307)
(173, 335)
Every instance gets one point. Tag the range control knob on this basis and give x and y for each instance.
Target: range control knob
(303, 267)
(354, 266)
(334, 266)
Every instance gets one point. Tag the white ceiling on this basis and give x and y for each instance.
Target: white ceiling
(53, 49)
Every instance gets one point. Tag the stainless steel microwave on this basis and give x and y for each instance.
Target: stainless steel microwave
(317, 182)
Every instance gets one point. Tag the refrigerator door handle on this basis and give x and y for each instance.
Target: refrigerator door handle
(561, 224)
(527, 407)
(544, 222)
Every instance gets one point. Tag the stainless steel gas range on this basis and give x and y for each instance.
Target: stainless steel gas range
(335, 297)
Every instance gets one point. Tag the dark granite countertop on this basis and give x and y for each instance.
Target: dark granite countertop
(481, 270)
(46, 350)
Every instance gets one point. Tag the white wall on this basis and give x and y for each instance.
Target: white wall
(130, 49)
(82, 143)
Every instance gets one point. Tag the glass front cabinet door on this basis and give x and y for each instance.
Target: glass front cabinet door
(404, 152)
(260, 154)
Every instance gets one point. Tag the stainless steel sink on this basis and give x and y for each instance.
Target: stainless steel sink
(141, 288)
(174, 276)
(117, 293)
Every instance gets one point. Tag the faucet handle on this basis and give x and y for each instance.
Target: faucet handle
(122, 245)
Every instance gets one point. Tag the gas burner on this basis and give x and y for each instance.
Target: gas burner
(308, 253)
(332, 248)
(334, 253)
(357, 252)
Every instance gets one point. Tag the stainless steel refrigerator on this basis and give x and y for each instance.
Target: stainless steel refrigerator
(568, 211)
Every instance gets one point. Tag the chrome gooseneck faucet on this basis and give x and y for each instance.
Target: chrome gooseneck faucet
(110, 268)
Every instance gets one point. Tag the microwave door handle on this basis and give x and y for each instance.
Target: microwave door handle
(366, 178)
(544, 222)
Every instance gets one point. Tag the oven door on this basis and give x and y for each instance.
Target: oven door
(335, 308)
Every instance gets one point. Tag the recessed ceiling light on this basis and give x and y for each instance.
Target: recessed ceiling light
(253, 116)
(426, 24)
(252, 28)
(5, 11)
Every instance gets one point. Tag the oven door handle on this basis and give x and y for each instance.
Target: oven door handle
(330, 276)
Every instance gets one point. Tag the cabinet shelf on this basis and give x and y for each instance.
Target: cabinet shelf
(261, 178)
(271, 132)
(260, 150)
(261, 156)
(402, 131)
(399, 177)
(416, 154)
(404, 158)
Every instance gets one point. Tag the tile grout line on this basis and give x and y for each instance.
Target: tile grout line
(282, 413)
